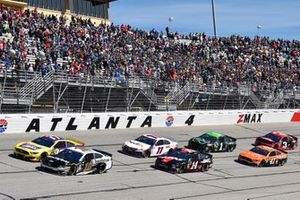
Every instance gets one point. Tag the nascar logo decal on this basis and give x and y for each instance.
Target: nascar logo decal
(3, 125)
(169, 120)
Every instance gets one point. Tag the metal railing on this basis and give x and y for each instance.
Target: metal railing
(25, 88)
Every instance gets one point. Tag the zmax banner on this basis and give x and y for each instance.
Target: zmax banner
(31, 123)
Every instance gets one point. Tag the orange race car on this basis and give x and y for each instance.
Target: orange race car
(262, 156)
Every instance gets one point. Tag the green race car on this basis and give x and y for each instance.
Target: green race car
(212, 142)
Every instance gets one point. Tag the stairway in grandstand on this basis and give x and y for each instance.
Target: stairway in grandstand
(179, 94)
(175, 96)
(35, 88)
(12, 93)
(145, 87)
(258, 104)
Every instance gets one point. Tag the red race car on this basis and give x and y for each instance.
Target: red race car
(278, 140)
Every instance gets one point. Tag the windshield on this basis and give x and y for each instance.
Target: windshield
(273, 137)
(207, 138)
(43, 142)
(70, 155)
(259, 151)
(146, 140)
(178, 154)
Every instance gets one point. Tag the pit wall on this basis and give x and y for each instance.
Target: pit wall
(30, 123)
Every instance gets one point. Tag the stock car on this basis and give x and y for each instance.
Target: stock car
(182, 160)
(148, 145)
(44, 146)
(212, 142)
(262, 156)
(278, 140)
(78, 161)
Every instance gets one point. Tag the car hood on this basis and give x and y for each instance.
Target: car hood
(201, 141)
(137, 145)
(30, 146)
(265, 139)
(55, 161)
(252, 155)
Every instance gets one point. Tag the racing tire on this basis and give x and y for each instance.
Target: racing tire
(73, 170)
(43, 156)
(230, 148)
(207, 149)
(282, 162)
(147, 154)
(262, 164)
(101, 168)
(180, 170)
(204, 168)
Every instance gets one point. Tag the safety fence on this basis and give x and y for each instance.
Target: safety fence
(57, 91)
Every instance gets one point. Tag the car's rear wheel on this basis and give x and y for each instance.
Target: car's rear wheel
(282, 162)
(101, 168)
(230, 148)
(204, 168)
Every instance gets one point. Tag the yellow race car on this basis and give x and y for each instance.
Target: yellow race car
(44, 146)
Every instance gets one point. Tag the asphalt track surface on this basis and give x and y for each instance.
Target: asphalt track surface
(134, 179)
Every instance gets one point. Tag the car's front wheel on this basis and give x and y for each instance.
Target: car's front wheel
(147, 154)
(180, 169)
(262, 164)
(43, 156)
(73, 170)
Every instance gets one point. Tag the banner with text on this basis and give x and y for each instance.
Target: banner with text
(29, 123)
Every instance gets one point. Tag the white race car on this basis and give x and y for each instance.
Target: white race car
(148, 145)
(78, 161)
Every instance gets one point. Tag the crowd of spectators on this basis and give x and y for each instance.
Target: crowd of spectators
(122, 51)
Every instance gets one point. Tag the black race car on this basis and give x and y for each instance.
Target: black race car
(182, 160)
(212, 142)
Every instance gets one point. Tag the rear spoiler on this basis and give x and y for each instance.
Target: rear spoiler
(208, 154)
(294, 137)
(77, 141)
(232, 138)
(103, 152)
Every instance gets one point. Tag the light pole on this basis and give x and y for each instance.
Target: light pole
(258, 29)
(214, 17)
(170, 21)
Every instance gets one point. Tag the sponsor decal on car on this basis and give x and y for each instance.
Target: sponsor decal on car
(169, 120)
(3, 125)
(29, 146)
(249, 118)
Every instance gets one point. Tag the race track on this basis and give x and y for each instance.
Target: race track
(134, 178)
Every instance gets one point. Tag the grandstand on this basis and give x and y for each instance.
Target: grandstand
(96, 10)
(58, 64)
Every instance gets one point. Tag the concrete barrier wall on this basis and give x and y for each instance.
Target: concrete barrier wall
(26, 123)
